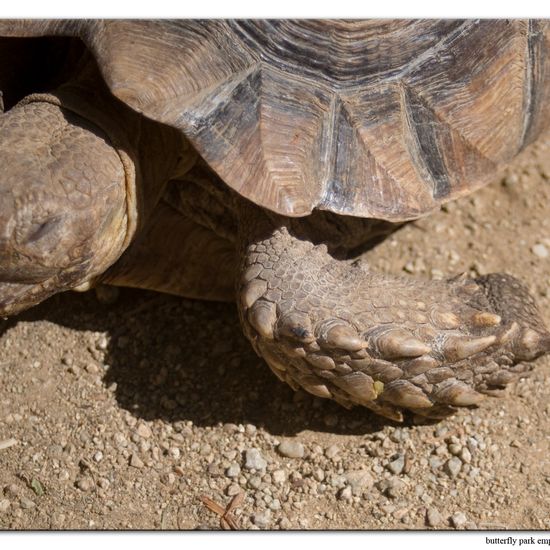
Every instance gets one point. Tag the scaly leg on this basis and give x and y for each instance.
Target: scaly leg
(341, 331)
(174, 254)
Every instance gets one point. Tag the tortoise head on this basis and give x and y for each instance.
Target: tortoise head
(63, 202)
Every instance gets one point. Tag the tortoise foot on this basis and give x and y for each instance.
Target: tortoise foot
(340, 331)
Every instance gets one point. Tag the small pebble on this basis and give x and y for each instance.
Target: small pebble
(262, 520)
(255, 482)
(102, 343)
(465, 455)
(426, 499)
(233, 490)
(215, 470)
(174, 453)
(346, 493)
(540, 250)
(143, 430)
(397, 465)
(455, 448)
(453, 465)
(254, 460)
(392, 487)
(26, 503)
(4, 505)
(104, 483)
(441, 431)
(458, 520)
(433, 517)
(92, 368)
(359, 481)
(285, 524)
(135, 461)
(400, 513)
(233, 471)
(291, 449)
(473, 473)
(319, 474)
(250, 429)
(441, 450)
(85, 484)
(230, 455)
(120, 440)
(64, 475)
(435, 462)
(409, 267)
(338, 481)
(278, 476)
(332, 451)
(510, 180)
(398, 435)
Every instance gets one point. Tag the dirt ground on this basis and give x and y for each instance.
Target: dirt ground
(122, 416)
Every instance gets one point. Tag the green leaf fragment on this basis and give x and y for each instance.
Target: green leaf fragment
(37, 487)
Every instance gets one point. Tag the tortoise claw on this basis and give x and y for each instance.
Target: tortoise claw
(456, 348)
(262, 316)
(454, 392)
(334, 334)
(396, 343)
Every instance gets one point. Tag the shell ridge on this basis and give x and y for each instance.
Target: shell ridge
(200, 107)
(423, 146)
(534, 63)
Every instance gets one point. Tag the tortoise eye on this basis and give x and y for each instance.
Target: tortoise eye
(39, 230)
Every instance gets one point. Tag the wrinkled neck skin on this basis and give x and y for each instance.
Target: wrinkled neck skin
(151, 153)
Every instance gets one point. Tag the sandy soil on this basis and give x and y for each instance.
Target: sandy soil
(122, 416)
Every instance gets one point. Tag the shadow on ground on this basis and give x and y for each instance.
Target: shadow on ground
(184, 360)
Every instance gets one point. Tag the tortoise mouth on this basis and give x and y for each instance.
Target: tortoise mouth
(14, 298)
(17, 297)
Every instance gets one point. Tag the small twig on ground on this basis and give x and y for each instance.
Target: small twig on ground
(7, 443)
(227, 519)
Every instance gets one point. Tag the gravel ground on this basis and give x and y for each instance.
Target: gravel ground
(124, 416)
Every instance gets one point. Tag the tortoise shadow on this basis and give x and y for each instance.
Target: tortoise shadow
(183, 360)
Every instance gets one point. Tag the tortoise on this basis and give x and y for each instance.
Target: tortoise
(252, 160)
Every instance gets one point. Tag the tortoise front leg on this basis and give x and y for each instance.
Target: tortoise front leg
(341, 331)
(174, 254)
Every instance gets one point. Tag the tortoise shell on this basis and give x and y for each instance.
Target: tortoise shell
(379, 119)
